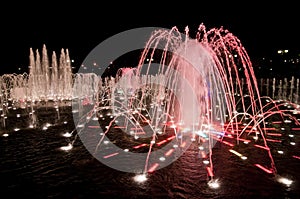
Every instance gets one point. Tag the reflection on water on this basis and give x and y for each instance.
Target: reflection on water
(34, 166)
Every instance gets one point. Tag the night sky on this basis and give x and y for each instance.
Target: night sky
(80, 29)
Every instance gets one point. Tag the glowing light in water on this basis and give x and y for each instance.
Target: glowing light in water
(214, 184)
(280, 152)
(290, 135)
(285, 181)
(205, 161)
(153, 168)
(67, 134)
(162, 159)
(80, 125)
(140, 178)
(238, 154)
(67, 148)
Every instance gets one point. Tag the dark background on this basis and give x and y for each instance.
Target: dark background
(81, 26)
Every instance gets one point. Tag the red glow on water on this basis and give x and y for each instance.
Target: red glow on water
(111, 155)
(297, 157)
(139, 146)
(263, 168)
(295, 129)
(248, 130)
(120, 127)
(169, 152)
(164, 141)
(262, 147)
(272, 140)
(270, 128)
(244, 140)
(161, 142)
(274, 134)
(154, 166)
(135, 128)
(170, 138)
(94, 127)
(227, 143)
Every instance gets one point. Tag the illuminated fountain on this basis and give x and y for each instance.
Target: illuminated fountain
(47, 84)
(284, 89)
(204, 75)
(47, 80)
(185, 91)
(50, 81)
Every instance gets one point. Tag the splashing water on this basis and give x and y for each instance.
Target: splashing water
(184, 91)
(204, 75)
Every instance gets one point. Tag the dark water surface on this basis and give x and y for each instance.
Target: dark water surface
(33, 166)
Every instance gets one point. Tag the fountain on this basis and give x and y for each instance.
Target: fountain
(46, 80)
(184, 91)
(203, 91)
(202, 73)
